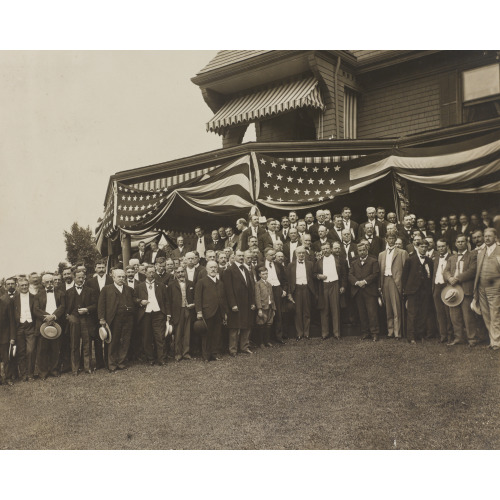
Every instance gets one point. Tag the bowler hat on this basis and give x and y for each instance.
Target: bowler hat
(50, 330)
(452, 296)
(105, 333)
(200, 327)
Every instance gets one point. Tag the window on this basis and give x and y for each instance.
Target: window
(350, 114)
(481, 93)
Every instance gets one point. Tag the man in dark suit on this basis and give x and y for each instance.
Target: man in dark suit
(461, 269)
(363, 277)
(97, 283)
(181, 250)
(270, 237)
(349, 250)
(154, 253)
(291, 245)
(332, 281)
(335, 234)
(253, 230)
(8, 334)
(324, 237)
(215, 243)
(49, 306)
(116, 308)
(347, 223)
(285, 229)
(372, 220)
(382, 222)
(405, 232)
(446, 232)
(307, 244)
(277, 278)
(81, 307)
(26, 339)
(301, 291)
(240, 296)
(417, 286)
(375, 243)
(231, 239)
(438, 283)
(210, 305)
(141, 252)
(314, 228)
(181, 313)
(10, 288)
(151, 297)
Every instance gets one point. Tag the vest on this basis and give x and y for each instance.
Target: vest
(489, 271)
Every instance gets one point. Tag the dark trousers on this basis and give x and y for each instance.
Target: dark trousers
(464, 322)
(368, 312)
(418, 308)
(121, 330)
(214, 325)
(4, 358)
(65, 362)
(26, 342)
(182, 333)
(136, 347)
(263, 334)
(302, 298)
(100, 357)
(47, 358)
(277, 325)
(153, 335)
(442, 314)
(331, 309)
(79, 333)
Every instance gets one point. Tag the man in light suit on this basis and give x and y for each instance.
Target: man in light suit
(487, 286)
(332, 282)
(116, 308)
(461, 269)
(391, 262)
(443, 316)
(210, 305)
(152, 315)
(301, 291)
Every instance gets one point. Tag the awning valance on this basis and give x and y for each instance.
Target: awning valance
(272, 101)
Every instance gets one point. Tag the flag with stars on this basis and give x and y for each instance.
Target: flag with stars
(137, 210)
(284, 184)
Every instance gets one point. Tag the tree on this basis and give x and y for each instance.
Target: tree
(80, 246)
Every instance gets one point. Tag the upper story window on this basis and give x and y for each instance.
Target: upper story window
(481, 93)
(350, 114)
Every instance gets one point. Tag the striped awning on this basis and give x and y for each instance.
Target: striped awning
(285, 97)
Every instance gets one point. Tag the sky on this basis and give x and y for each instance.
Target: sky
(71, 119)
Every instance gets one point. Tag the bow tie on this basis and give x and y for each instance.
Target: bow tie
(79, 287)
(242, 267)
(130, 281)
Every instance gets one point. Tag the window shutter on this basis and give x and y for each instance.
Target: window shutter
(449, 99)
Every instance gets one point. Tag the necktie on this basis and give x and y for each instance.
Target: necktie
(390, 249)
(242, 268)
(271, 265)
(79, 287)
(201, 240)
(301, 261)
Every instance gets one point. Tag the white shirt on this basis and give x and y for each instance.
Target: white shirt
(330, 269)
(440, 268)
(152, 305)
(213, 278)
(25, 308)
(272, 277)
(190, 273)
(339, 233)
(101, 281)
(301, 275)
(153, 256)
(69, 285)
(293, 246)
(129, 283)
(388, 261)
(460, 263)
(51, 303)
(119, 287)
(490, 249)
(200, 247)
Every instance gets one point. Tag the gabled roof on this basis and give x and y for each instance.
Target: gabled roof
(225, 58)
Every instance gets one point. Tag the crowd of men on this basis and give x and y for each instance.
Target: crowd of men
(258, 286)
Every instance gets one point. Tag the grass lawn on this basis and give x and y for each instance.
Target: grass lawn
(350, 394)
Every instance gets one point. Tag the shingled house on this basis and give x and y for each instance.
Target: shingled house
(334, 105)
